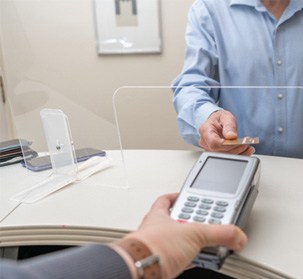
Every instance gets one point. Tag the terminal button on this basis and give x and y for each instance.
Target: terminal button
(184, 216)
(205, 206)
(219, 209)
(202, 212)
(190, 204)
(217, 215)
(214, 221)
(222, 203)
(193, 198)
(207, 201)
(199, 219)
(187, 210)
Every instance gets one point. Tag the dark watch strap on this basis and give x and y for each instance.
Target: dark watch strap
(147, 265)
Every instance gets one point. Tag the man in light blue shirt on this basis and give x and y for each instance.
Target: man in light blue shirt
(243, 76)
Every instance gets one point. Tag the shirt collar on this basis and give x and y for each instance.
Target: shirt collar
(252, 3)
(297, 4)
(294, 5)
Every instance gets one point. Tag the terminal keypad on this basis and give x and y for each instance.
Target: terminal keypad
(205, 210)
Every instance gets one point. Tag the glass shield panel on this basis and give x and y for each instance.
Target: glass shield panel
(146, 118)
(149, 137)
(40, 73)
(267, 119)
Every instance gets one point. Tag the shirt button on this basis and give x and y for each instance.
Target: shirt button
(279, 62)
(280, 96)
(280, 130)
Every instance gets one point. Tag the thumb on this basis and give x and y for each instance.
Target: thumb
(229, 126)
(229, 236)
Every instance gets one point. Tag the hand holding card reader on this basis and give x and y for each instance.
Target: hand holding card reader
(220, 189)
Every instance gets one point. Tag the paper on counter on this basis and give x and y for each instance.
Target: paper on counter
(57, 181)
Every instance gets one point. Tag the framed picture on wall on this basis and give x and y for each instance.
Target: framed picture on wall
(127, 26)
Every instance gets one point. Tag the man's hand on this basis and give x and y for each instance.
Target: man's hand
(178, 243)
(221, 125)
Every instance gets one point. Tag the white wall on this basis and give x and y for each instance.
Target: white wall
(6, 125)
(50, 60)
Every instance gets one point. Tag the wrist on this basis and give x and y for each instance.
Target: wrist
(139, 258)
(127, 259)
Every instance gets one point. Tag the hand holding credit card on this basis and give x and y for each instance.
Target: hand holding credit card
(244, 140)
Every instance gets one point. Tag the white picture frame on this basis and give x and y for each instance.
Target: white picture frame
(127, 26)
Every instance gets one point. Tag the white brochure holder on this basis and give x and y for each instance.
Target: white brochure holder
(59, 142)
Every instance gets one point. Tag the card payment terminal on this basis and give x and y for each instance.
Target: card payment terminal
(220, 189)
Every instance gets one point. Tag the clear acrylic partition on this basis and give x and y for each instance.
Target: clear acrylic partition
(57, 146)
(146, 118)
(59, 143)
(40, 73)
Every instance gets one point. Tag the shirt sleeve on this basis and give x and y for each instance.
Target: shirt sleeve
(194, 99)
(93, 261)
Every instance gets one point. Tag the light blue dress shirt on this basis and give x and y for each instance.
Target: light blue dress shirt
(256, 63)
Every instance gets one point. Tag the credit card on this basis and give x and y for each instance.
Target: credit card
(245, 140)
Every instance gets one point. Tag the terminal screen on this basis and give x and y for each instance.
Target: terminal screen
(220, 175)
